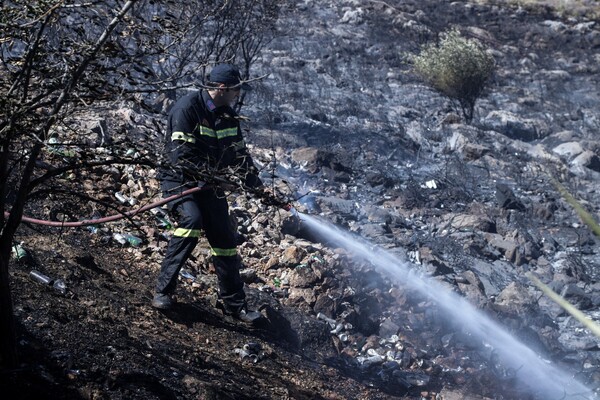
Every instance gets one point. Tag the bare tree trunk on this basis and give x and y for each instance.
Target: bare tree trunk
(8, 337)
(8, 340)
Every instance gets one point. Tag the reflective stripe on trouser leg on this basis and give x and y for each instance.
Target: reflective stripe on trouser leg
(182, 243)
(223, 252)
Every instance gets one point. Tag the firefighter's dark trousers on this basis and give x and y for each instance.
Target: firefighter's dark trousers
(205, 210)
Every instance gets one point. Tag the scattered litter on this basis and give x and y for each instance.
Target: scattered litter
(162, 219)
(54, 146)
(19, 253)
(430, 185)
(57, 284)
(125, 199)
(120, 238)
(370, 360)
(250, 352)
(60, 286)
(187, 274)
(275, 291)
(38, 276)
(325, 318)
(124, 238)
(163, 223)
(344, 338)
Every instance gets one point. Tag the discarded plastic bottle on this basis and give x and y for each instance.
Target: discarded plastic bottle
(38, 276)
(57, 284)
(325, 318)
(124, 238)
(121, 197)
(159, 212)
(241, 352)
(132, 240)
(60, 286)
(19, 253)
(338, 328)
(163, 223)
(54, 146)
(187, 275)
(125, 199)
(371, 360)
(252, 348)
(120, 238)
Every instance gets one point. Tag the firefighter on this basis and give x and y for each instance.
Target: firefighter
(203, 140)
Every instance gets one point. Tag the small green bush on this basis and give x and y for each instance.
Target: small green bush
(458, 68)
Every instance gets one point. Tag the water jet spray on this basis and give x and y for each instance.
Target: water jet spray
(536, 375)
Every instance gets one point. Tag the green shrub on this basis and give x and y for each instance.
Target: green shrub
(458, 68)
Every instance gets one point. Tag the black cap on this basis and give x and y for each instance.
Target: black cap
(227, 74)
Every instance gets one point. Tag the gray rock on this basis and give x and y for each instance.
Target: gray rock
(292, 256)
(306, 295)
(576, 295)
(374, 230)
(506, 198)
(310, 158)
(514, 126)
(494, 277)
(470, 222)
(514, 299)
(337, 205)
(569, 150)
(388, 328)
(302, 277)
(587, 159)
(474, 294)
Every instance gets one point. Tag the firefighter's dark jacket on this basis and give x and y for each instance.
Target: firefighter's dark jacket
(202, 141)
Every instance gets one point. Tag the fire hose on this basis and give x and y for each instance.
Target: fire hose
(269, 200)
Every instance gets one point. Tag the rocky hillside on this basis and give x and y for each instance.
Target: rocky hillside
(431, 211)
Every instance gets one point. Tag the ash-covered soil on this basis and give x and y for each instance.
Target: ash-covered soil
(340, 87)
(101, 339)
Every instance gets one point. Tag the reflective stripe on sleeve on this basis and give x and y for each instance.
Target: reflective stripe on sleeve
(226, 133)
(186, 137)
(223, 252)
(204, 131)
(223, 133)
(183, 232)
